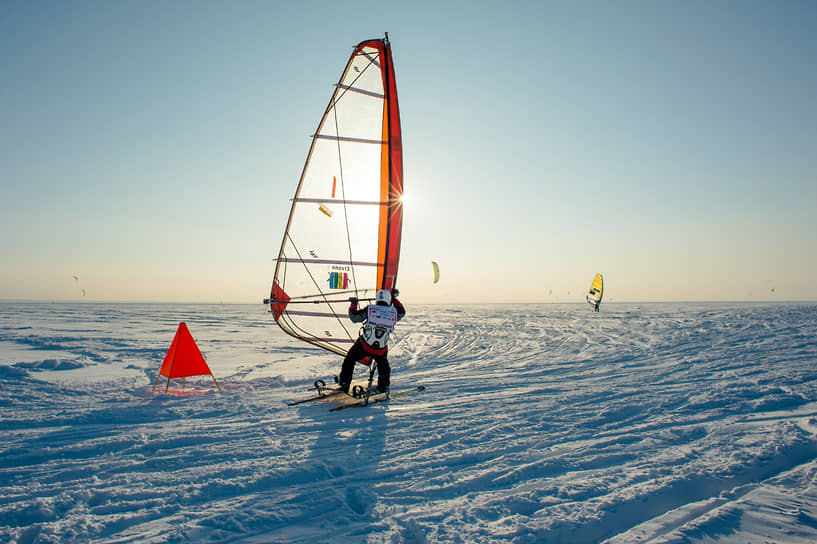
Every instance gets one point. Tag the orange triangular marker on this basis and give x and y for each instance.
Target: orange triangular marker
(183, 359)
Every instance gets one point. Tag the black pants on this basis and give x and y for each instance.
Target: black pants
(356, 353)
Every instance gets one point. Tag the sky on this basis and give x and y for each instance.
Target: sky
(151, 149)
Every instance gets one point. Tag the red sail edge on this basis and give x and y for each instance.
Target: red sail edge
(396, 186)
(278, 300)
(391, 183)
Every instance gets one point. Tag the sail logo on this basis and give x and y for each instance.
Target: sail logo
(338, 280)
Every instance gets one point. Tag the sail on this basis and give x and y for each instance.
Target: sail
(596, 290)
(343, 234)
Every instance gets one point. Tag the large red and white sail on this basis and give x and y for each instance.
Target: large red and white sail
(343, 234)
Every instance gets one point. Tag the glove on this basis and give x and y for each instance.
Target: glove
(395, 293)
(353, 300)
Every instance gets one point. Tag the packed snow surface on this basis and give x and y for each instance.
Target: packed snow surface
(540, 423)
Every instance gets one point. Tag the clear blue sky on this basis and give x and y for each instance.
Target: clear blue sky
(151, 148)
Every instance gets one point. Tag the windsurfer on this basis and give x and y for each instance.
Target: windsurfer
(378, 322)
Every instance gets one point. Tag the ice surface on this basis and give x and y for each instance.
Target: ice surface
(642, 423)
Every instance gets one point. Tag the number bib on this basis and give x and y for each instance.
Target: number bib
(382, 316)
(379, 324)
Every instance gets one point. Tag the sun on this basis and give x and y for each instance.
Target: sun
(410, 198)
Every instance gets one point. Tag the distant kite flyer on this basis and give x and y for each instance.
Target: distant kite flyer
(596, 292)
(76, 281)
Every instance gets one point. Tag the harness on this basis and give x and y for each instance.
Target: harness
(379, 324)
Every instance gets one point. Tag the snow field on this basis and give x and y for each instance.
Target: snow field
(642, 423)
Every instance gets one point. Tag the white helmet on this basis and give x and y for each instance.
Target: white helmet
(383, 296)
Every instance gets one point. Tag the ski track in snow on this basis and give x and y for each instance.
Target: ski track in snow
(651, 423)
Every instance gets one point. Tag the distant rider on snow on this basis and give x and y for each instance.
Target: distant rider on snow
(378, 322)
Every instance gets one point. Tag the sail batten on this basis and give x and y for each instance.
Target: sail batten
(348, 139)
(372, 59)
(342, 201)
(312, 314)
(327, 261)
(358, 90)
(345, 225)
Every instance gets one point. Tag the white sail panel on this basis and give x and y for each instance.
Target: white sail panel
(344, 227)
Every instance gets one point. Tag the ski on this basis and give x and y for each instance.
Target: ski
(323, 393)
(359, 402)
